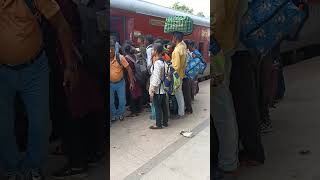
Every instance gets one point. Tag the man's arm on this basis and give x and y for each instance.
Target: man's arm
(65, 37)
(149, 58)
(131, 76)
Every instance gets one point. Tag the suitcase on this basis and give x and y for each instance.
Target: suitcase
(182, 24)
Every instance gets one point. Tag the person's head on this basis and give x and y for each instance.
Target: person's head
(114, 38)
(157, 49)
(140, 40)
(177, 37)
(112, 48)
(148, 40)
(191, 46)
(187, 41)
(128, 42)
(158, 41)
(128, 49)
(170, 47)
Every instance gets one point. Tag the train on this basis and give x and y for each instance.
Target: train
(132, 18)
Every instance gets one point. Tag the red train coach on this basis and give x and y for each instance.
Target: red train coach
(131, 18)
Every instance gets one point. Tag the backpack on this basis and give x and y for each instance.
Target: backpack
(166, 80)
(138, 73)
(172, 80)
(141, 60)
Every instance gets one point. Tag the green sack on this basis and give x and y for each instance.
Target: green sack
(182, 24)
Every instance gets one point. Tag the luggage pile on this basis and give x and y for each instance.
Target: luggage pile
(268, 22)
(182, 24)
(195, 66)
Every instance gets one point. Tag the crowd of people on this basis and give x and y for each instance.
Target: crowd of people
(249, 85)
(51, 73)
(151, 75)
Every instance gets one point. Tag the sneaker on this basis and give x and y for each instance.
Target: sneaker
(67, 171)
(113, 119)
(121, 118)
(35, 175)
(266, 128)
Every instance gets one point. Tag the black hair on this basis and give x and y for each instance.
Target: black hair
(178, 35)
(158, 47)
(187, 41)
(127, 49)
(149, 39)
(158, 41)
(192, 44)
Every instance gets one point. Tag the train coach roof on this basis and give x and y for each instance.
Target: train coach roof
(143, 7)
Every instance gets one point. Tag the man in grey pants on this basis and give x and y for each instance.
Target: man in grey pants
(225, 26)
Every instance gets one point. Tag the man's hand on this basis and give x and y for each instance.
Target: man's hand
(131, 85)
(220, 78)
(70, 79)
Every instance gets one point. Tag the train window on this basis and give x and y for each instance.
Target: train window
(200, 47)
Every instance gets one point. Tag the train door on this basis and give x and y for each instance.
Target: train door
(118, 27)
(201, 44)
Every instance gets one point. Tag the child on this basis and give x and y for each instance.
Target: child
(156, 89)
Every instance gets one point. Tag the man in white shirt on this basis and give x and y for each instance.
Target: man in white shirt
(148, 41)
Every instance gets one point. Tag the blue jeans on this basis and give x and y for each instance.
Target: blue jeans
(224, 119)
(32, 83)
(120, 88)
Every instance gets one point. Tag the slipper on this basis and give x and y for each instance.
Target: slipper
(155, 127)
